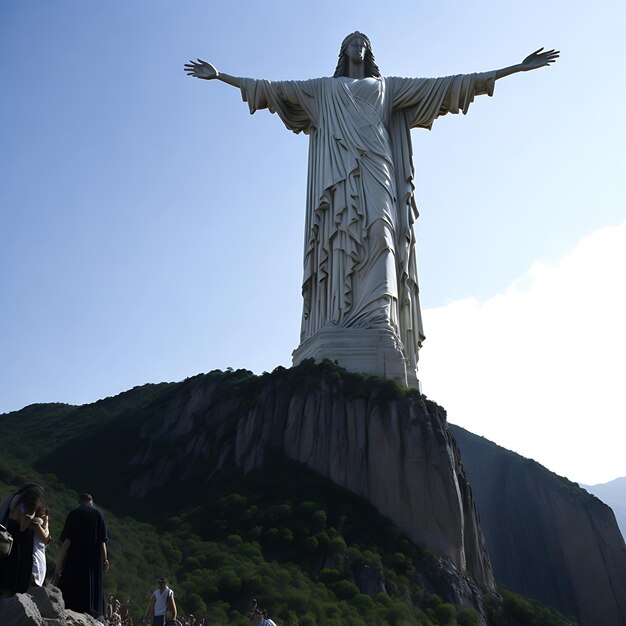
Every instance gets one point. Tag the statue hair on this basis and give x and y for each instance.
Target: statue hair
(371, 69)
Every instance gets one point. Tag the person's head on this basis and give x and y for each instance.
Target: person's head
(42, 511)
(29, 497)
(162, 583)
(31, 487)
(85, 498)
(356, 47)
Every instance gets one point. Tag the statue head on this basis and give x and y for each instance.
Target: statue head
(371, 69)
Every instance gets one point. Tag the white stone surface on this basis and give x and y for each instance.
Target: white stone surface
(360, 269)
(363, 350)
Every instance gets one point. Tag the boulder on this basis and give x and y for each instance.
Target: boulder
(41, 606)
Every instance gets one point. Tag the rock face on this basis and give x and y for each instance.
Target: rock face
(547, 538)
(396, 453)
(41, 606)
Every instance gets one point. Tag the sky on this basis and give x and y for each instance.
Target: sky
(151, 229)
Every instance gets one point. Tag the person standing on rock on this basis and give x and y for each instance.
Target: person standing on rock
(16, 569)
(83, 558)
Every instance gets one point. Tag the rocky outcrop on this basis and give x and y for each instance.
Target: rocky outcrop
(41, 606)
(395, 451)
(547, 538)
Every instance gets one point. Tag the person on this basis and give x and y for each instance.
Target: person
(259, 618)
(16, 569)
(161, 603)
(360, 270)
(125, 613)
(40, 540)
(110, 607)
(116, 618)
(10, 502)
(83, 558)
(250, 612)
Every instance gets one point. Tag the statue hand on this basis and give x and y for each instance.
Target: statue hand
(201, 69)
(539, 59)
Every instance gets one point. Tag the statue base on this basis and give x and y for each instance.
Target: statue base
(376, 351)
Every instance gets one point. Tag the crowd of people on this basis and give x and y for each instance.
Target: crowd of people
(81, 564)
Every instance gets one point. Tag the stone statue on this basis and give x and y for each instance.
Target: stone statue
(361, 297)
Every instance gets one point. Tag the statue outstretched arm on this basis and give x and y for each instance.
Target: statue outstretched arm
(206, 71)
(533, 61)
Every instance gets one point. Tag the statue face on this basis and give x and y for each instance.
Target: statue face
(355, 50)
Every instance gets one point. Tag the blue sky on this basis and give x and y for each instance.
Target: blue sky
(151, 229)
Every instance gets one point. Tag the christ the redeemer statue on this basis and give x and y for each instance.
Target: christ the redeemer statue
(361, 297)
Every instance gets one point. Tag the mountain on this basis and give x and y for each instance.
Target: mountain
(614, 494)
(333, 498)
(547, 538)
(396, 452)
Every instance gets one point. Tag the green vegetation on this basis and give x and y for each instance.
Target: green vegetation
(308, 550)
(513, 609)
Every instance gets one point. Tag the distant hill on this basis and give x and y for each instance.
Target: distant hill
(614, 494)
(197, 486)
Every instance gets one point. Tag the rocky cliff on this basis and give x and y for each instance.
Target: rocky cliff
(394, 450)
(547, 538)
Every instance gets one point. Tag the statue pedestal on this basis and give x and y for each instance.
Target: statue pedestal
(376, 351)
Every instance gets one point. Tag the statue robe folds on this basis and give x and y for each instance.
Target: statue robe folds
(360, 270)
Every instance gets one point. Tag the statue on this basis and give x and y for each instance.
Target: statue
(360, 290)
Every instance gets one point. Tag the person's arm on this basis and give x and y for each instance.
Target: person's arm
(61, 560)
(172, 605)
(532, 62)
(150, 607)
(41, 529)
(103, 554)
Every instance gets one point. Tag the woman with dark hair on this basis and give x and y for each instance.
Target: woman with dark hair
(16, 569)
(360, 290)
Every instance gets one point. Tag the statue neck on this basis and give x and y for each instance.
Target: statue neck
(356, 70)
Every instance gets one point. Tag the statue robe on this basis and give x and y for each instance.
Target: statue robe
(360, 268)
